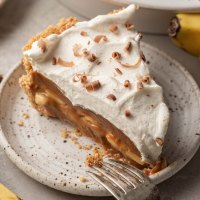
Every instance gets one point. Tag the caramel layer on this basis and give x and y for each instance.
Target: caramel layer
(47, 98)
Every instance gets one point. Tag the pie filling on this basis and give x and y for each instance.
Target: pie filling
(48, 99)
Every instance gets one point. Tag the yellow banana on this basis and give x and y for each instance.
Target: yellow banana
(184, 29)
(6, 194)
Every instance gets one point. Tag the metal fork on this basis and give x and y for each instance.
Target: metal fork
(124, 181)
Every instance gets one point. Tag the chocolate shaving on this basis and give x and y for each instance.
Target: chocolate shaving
(146, 79)
(116, 55)
(98, 62)
(83, 79)
(85, 52)
(64, 63)
(93, 86)
(112, 97)
(98, 38)
(42, 45)
(80, 77)
(127, 113)
(135, 65)
(54, 61)
(129, 26)
(76, 78)
(76, 50)
(113, 28)
(159, 141)
(139, 85)
(128, 47)
(83, 33)
(127, 84)
(118, 71)
(92, 57)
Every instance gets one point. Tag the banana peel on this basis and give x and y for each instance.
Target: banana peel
(184, 29)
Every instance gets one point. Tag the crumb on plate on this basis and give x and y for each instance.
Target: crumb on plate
(20, 123)
(82, 179)
(64, 133)
(25, 115)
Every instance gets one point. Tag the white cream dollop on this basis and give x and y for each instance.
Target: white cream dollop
(149, 114)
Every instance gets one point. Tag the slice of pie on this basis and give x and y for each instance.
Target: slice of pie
(93, 75)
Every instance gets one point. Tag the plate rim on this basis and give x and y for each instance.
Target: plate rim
(149, 5)
(157, 178)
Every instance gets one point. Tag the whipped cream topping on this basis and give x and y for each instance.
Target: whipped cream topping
(106, 51)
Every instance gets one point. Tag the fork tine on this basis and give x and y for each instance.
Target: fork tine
(111, 178)
(113, 190)
(121, 175)
(134, 170)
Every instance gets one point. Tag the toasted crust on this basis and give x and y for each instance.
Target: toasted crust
(62, 25)
(27, 65)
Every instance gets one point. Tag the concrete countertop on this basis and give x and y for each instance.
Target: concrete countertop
(19, 20)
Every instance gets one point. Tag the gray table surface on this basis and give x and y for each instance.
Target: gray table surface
(19, 20)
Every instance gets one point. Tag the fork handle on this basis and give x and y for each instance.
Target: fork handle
(142, 193)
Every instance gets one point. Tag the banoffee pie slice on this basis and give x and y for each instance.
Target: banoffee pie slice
(92, 74)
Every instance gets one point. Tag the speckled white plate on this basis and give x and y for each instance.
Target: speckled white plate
(180, 5)
(39, 150)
